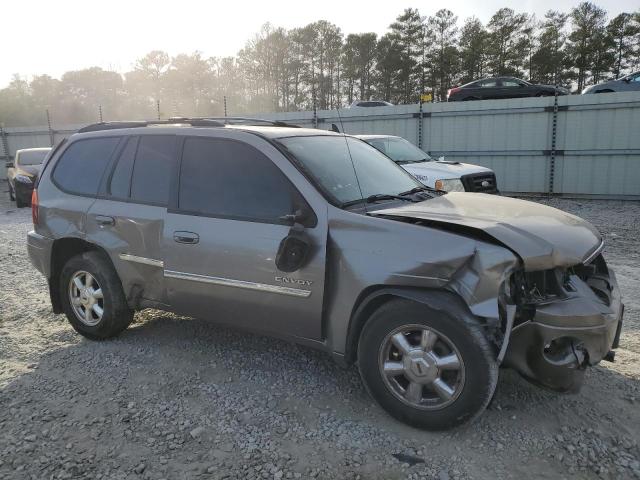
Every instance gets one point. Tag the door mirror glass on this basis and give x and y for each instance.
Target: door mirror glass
(294, 250)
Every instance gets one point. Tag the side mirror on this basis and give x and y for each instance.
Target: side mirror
(626, 80)
(293, 251)
(334, 128)
(9, 165)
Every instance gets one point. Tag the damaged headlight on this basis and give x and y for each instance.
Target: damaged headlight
(538, 287)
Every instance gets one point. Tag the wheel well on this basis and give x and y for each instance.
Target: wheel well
(373, 298)
(62, 251)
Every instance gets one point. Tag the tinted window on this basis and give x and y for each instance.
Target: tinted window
(82, 165)
(510, 83)
(120, 185)
(153, 169)
(487, 83)
(32, 158)
(234, 180)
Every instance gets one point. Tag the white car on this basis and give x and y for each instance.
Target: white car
(438, 174)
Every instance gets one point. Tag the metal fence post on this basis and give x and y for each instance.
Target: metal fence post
(554, 135)
(51, 139)
(315, 115)
(158, 108)
(5, 143)
(225, 106)
(100, 113)
(420, 126)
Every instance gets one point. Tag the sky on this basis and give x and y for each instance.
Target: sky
(54, 36)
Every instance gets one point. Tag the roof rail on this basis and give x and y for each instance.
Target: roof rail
(194, 122)
(257, 122)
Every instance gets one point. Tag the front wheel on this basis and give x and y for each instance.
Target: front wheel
(427, 366)
(92, 297)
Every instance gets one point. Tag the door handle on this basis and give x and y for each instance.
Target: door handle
(186, 237)
(105, 220)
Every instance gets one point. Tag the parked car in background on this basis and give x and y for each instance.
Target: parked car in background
(438, 174)
(628, 83)
(23, 172)
(501, 87)
(320, 239)
(370, 103)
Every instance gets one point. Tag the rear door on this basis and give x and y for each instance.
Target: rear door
(486, 89)
(128, 217)
(224, 231)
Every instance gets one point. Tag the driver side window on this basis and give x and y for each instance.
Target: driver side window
(229, 179)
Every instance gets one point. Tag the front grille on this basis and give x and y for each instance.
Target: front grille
(484, 182)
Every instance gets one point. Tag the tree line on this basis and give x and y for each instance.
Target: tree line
(285, 70)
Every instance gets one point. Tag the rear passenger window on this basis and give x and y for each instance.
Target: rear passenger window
(82, 165)
(121, 179)
(230, 179)
(153, 169)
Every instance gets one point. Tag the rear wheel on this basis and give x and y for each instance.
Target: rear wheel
(425, 366)
(92, 297)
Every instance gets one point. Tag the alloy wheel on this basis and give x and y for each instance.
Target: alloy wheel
(421, 367)
(85, 295)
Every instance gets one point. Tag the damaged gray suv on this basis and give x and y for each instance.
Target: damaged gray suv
(320, 239)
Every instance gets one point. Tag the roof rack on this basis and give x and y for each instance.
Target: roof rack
(194, 122)
(257, 122)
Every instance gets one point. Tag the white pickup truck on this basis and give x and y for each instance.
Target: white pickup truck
(438, 174)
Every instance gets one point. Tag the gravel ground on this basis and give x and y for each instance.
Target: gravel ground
(179, 398)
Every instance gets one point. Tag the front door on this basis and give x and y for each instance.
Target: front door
(223, 237)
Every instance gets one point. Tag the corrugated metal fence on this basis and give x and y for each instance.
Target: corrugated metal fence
(582, 145)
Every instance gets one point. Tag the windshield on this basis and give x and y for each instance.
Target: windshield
(32, 158)
(399, 149)
(327, 160)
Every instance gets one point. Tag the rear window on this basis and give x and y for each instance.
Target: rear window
(154, 169)
(32, 158)
(82, 165)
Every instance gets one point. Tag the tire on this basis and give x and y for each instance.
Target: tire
(469, 99)
(454, 396)
(20, 203)
(116, 315)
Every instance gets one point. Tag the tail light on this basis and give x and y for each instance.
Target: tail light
(452, 91)
(34, 207)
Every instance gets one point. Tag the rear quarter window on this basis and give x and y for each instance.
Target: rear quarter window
(83, 164)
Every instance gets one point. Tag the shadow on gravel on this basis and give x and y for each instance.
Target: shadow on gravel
(139, 398)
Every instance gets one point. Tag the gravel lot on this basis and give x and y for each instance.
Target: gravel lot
(180, 398)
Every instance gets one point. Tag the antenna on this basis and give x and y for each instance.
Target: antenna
(353, 165)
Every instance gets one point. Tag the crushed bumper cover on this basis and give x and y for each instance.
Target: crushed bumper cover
(554, 348)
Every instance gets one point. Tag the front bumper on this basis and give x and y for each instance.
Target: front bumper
(554, 348)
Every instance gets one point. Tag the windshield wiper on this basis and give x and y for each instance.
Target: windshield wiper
(423, 188)
(377, 197)
(387, 196)
(420, 160)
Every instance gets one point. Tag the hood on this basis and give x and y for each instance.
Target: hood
(33, 170)
(543, 237)
(444, 169)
